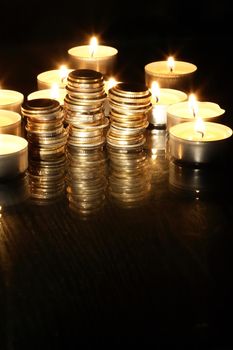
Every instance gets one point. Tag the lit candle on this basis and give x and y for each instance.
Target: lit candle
(93, 56)
(11, 100)
(55, 93)
(45, 80)
(161, 99)
(191, 109)
(10, 122)
(170, 73)
(13, 155)
(199, 142)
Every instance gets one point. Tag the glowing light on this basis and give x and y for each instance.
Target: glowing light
(155, 91)
(192, 102)
(93, 46)
(63, 72)
(200, 127)
(54, 91)
(171, 63)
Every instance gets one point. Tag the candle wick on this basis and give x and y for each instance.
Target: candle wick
(194, 113)
(156, 99)
(171, 69)
(62, 79)
(202, 133)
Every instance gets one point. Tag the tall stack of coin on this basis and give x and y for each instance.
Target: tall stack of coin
(86, 180)
(83, 107)
(46, 144)
(129, 178)
(129, 108)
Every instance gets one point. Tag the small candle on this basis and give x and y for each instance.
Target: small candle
(55, 93)
(170, 73)
(11, 100)
(13, 155)
(189, 110)
(161, 99)
(45, 80)
(93, 56)
(10, 122)
(205, 142)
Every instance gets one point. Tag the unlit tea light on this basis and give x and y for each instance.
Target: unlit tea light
(170, 73)
(93, 56)
(13, 155)
(199, 142)
(11, 100)
(10, 122)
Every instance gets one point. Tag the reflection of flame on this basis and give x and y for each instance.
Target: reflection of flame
(171, 63)
(155, 91)
(200, 126)
(63, 72)
(93, 46)
(192, 101)
(54, 91)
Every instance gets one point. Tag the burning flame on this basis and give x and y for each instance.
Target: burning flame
(63, 72)
(155, 91)
(171, 63)
(93, 46)
(192, 101)
(200, 127)
(54, 91)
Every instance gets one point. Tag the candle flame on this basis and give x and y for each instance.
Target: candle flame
(155, 91)
(200, 127)
(63, 72)
(93, 46)
(171, 63)
(192, 101)
(54, 91)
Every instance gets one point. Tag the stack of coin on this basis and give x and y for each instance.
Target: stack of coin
(46, 144)
(129, 178)
(84, 109)
(86, 180)
(129, 108)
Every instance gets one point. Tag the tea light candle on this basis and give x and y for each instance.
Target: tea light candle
(10, 122)
(194, 143)
(100, 58)
(13, 155)
(45, 80)
(11, 100)
(55, 93)
(170, 73)
(161, 99)
(187, 111)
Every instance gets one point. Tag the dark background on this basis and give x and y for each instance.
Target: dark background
(35, 36)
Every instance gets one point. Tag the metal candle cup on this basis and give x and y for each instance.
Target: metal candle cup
(188, 146)
(10, 122)
(13, 156)
(181, 112)
(167, 97)
(179, 78)
(46, 79)
(103, 60)
(11, 100)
